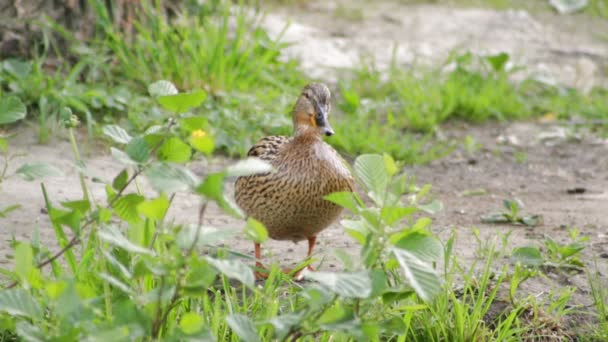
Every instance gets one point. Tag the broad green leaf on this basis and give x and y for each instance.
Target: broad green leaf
(120, 181)
(371, 171)
(249, 166)
(422, 223)
(425, 247)
(340, 317)
(32, 171)
(256, 231)
(202, 141)
(357, 229)
(213, 186)
(137, 149)
(317, 296)
(17, 67)
(419, 273)
(571, 249)
(234, 269)
(391, 215)
(243, 327)
(200, 276)
(24, 260)
(126, 207)
(284, 323)
(174, 150)
(345, 199)
(206, 235)
(11, 110)
(191, 323)
(121, 156)
(181, 103)
(390, 165)
(193, 123)
(416, 253)
(117, 134)
(112, 235)
(170, 178)
(527, 256)
(162, 88)
(154, 209)
(349, 285)
(19, 302)
(30, 332)
(81, 206)
(126, 273)
(54, 289)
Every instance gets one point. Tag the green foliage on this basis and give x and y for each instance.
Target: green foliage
(555, 255)
(512, 215)
(138, 277)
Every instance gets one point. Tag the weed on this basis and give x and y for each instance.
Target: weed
(512, 215)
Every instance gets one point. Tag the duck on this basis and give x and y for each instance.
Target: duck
(289, 200)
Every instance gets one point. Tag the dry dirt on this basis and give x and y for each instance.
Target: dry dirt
(515, 160)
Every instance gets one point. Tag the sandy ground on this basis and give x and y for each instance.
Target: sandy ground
(515, 160)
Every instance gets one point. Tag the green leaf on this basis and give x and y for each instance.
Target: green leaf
(121, 156)
(24, 260)
(30, 332)
(284, 323)
(126, 207)
(234, 269)
(498, 61)
(11, 110)
(18, 302)
(527, 256)
(174, 150)
(243, 327)
(191, 323)
(206, 235)
(113, 236)
(349, 285)
(202, 142)
(390, 165)
(249, 166)
(117, 134)
(371, 171)
(416, 254)
(18, 68)
(256, 231)
(162, 88)
(32, 171)
(81, 206)
(170, 178)
(181, 103)
(120, 181)
(154, 209)
(391, 215)
(194, 123)
(213, 186)
(357, 229)
(345, 199)
(137, 149)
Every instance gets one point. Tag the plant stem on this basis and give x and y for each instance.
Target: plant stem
(83, 184)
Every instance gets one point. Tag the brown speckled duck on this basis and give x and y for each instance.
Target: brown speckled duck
(289, 201)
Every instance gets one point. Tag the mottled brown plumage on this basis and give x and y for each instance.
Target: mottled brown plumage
(289, 201)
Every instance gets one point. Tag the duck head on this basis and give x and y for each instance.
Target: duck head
(312, 110)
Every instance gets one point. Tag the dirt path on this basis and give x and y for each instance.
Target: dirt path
(538, 172)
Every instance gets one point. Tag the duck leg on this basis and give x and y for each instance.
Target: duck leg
(311, 245)
(258, 263)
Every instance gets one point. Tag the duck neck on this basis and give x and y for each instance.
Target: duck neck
(307, 132)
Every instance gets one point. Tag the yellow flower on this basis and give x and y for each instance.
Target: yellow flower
(199, 133)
